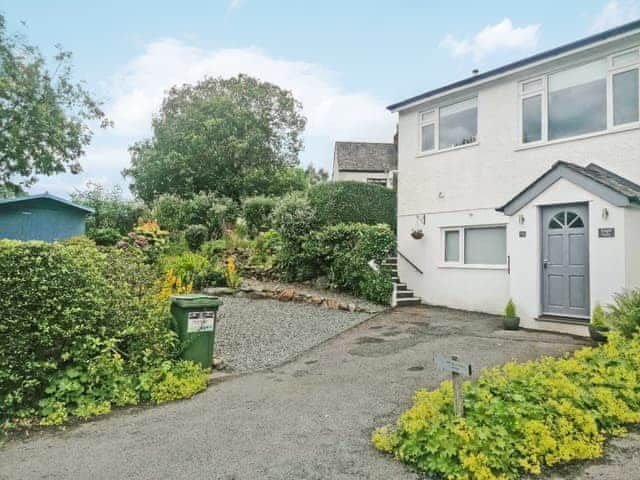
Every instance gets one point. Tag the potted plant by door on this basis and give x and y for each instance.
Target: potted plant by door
(510, 321)
(598, 329)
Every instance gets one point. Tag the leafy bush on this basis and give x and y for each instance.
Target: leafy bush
(353, 202)
(104, 236)
(522, 417)
(624, 314)
(214, 249)
(294, 218)
(195, 236)
(267, 246)
(111, 210)
(176, 213)
(147, 238)
(79, 326)
(342, 252)
(598, 316)
(195, 269)
(256, 211)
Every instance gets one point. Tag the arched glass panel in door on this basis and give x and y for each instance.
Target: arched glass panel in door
(566, 219)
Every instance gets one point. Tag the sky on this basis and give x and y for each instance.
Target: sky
(344, 60)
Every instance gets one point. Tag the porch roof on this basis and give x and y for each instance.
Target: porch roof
(617, 190)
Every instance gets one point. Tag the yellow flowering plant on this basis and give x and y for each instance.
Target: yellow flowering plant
(522, 417)
(231, 273)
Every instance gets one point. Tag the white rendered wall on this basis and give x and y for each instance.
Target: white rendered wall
(465, 185)
(632, 232)
(359, 176)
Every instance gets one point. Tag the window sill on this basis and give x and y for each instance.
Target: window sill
(445, 150)
(622, 128)
(461, 266)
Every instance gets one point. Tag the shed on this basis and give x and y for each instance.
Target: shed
(41, 217)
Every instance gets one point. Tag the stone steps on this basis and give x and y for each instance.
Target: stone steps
(402, 294)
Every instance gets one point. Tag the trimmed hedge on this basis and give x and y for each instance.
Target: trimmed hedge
(80, 330)
(353, 202)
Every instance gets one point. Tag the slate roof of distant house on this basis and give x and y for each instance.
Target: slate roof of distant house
(45, 196)
(584, 42)
(625, 188)
(365, 156)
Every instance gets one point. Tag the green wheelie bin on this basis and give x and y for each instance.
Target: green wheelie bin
(194, 318)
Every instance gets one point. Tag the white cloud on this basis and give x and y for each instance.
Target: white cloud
(331, 111)
(615, 13)
(494, 38)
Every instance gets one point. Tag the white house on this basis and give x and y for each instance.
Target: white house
(365, 162)
(524, 181)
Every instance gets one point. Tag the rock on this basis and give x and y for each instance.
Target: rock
(321, 282)
(215, 291)
(330, 303)
(218, 363)
(343, 306)
(286, 296)
(315, 300)
(352, 307)
(299, 298)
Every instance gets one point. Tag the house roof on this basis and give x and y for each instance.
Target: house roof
(584, 42)
(45, 196)
(617, 190)
(365, 156)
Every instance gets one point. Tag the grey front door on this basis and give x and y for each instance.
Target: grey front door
(565, 260)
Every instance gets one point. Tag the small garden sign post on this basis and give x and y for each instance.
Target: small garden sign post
(457, 369)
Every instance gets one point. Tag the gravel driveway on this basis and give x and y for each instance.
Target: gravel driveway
(254, 334)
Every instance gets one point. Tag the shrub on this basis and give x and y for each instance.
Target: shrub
(267, 246)
(193, 269)
(195, 236)
(294, 218)
(353, 202)
(624, 314)
(256, 211)
(214, 249)
(104, 236)
(111, 210)
(147, 238)
(522, 417)
(79, 326)
(342, 252)
(598, 316)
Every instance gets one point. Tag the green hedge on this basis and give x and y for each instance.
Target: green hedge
(80, 327)
(353, 202)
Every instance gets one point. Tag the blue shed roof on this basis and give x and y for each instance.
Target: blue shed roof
(45, 196)
(584, 42)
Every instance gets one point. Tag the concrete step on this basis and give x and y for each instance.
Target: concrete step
(401, 287)
(404, 294)
(401, 302)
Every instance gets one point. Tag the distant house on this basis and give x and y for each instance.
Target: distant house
(365, 162)
(41, 217)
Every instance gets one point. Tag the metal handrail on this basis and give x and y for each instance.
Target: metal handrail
(410, 262)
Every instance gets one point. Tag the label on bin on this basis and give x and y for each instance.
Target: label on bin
(200, 322)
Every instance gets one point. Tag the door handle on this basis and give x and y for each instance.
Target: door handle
(545, 263)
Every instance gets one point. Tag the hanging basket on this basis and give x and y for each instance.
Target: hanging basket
(417, 234)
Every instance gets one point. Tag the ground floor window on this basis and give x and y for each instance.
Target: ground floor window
(475, 245)
(377, 181)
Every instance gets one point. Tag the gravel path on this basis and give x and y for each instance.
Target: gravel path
(254, 334)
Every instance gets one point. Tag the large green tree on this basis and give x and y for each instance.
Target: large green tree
(44, 114)
(234, 137)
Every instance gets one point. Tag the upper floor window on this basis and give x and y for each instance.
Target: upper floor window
(449, 126)
(589, 98)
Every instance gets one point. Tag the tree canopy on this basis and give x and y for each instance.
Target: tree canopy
(44, 114)
(233, 137)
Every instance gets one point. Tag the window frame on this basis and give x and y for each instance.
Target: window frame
(544, 91)
(461, 248)
(436, 125)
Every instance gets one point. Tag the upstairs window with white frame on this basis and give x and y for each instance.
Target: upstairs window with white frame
(588, 98)
(449, 126)
(475, 246)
